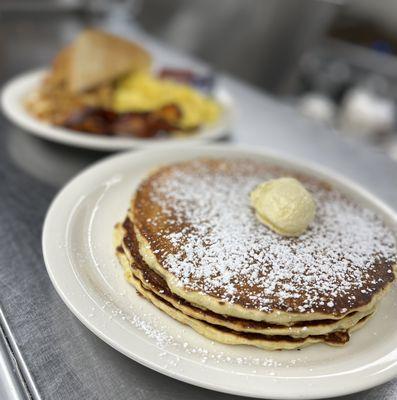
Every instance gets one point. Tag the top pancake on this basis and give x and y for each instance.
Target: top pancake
(196, 228)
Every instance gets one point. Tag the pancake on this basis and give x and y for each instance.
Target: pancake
(195, 228)
(126, 243)
(230, 337)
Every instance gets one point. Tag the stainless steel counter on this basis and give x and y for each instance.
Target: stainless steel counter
(54, 355)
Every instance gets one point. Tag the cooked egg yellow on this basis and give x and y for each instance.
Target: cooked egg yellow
(141, 91)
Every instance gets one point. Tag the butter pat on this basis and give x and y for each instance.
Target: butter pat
(283, 205)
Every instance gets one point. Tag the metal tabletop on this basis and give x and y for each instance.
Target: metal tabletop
(45, 351)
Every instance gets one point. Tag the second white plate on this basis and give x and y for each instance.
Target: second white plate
(78, 252)
(16, 91)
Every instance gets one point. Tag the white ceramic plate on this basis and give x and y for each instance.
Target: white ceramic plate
(77, 246)
(16, 91)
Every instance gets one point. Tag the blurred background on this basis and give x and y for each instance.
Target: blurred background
(335, 61)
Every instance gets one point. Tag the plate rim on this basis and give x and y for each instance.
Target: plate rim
(15, 112)
(308, 166)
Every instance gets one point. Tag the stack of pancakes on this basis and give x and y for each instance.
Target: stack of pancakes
(192, 246)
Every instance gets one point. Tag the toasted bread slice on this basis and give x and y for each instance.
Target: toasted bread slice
(98, 57)
(61, 67)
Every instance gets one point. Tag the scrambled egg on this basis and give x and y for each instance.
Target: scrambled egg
(141, 91)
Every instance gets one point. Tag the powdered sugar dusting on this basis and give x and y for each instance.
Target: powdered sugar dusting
(174, 346)
(220, 248)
